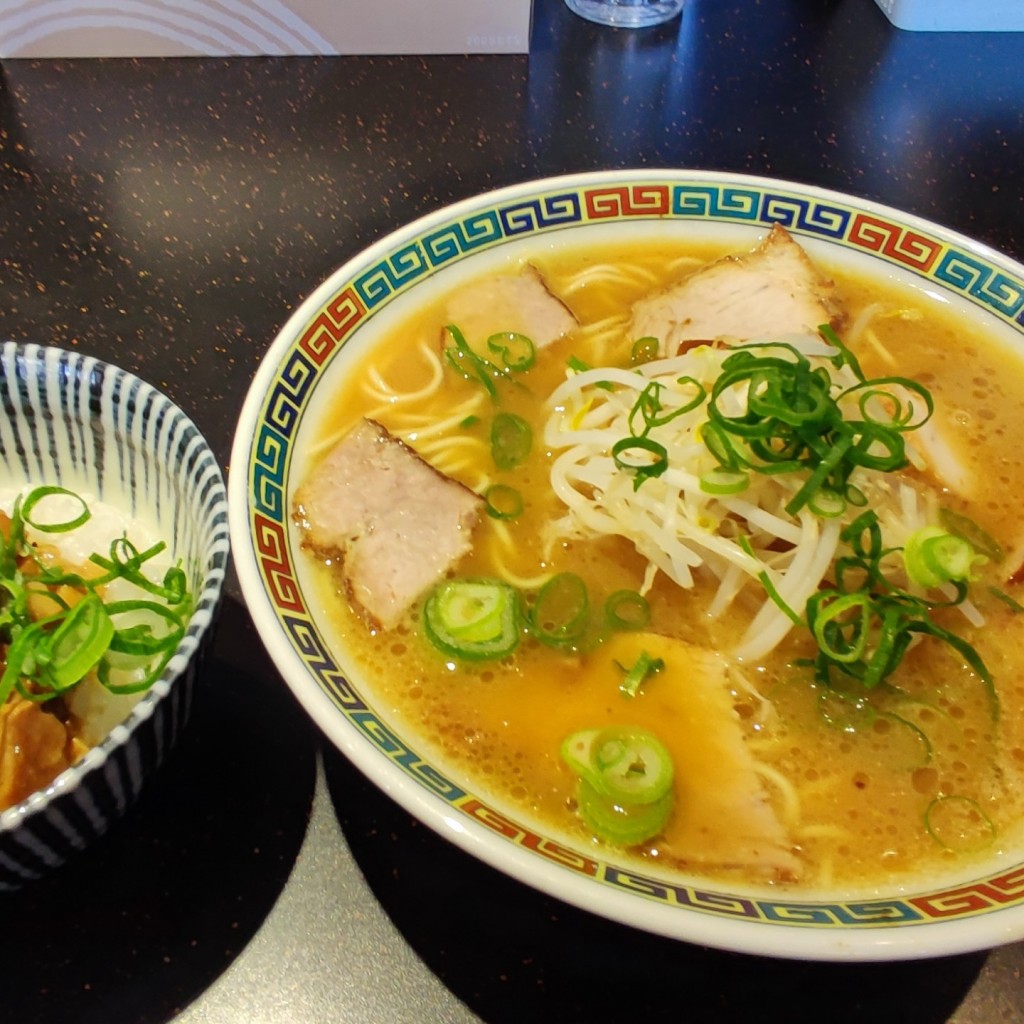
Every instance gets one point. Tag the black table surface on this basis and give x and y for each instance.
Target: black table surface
(168, 215)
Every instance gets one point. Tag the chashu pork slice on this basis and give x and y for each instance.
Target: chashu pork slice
(396, 524)
(723, 816)
(771, 292)
(518, 302)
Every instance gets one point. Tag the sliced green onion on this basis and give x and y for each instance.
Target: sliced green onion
(899, 419)
(468, 364)
(578, 753)
(840, 624)
(642, 456)
(472, 619)
(794, 423)
(19, 658)
(560, 613)
(627, 609)
(920, 738)
(517, 351)
(865, 626)
(967, 652)
(78, 643)
(879, 448)
(577, 365)
(28, 506)
(174, 588)
(855, 496)
(638, 672)
(729, 452)
(125, 675)
(827, 504)
(701, 393)
(933, 557)
(1012, 603)
(958, 824)
(630, 765)
(503, 502)
(125, 562)
(643, 351)
(650, 411)
(625, 782)
(511, 440)
(623, 824)
(840, 448)
(724, 481)
(963, 526)
(646, 409)
(131, 640)
(777, 599)
(864, 536)
(845, 356)
(147, 628)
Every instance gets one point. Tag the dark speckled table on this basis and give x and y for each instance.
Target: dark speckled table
(169, 215)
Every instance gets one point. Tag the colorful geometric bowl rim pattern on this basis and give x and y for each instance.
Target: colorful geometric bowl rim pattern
(874, 928)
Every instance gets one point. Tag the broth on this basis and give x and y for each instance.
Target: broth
(850, 785)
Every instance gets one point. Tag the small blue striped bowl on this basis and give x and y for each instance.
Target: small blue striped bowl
(73, 420)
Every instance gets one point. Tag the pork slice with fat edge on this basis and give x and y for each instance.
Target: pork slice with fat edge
(395, 523)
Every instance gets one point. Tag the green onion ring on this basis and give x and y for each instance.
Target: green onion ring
(38, 494)
(503, 502)
(627, 609)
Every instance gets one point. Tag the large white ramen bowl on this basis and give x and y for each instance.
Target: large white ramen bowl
(355, 306)
(70, 420)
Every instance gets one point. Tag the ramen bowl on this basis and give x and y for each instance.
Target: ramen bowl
(319, 349)
(71, 421)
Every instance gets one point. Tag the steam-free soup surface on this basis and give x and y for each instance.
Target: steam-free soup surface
(776, 780)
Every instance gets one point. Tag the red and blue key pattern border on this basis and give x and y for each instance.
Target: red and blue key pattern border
(916, 250)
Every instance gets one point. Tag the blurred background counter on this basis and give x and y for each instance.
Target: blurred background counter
(169, 215)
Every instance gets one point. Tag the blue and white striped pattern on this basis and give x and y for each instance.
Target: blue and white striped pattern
(73, 420)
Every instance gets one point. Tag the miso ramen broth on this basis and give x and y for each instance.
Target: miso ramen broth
(801, 785)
